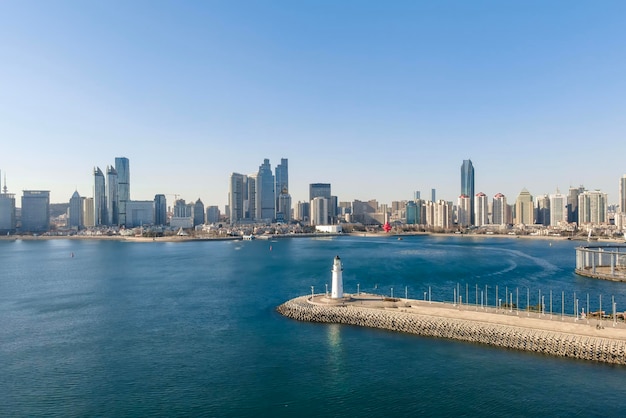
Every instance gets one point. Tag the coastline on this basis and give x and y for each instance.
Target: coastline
(176, 238)
(584, 339)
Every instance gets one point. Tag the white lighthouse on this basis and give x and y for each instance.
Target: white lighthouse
(337, 288)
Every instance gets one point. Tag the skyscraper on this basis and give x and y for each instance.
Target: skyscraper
(198, 213)
(592, 208)
(249, 196)
(622, 194)
(481, 209)
(283, 210)
(319, 190)
(236, 197)
(212, 215)
(7, 211)
(112, 209)
(467, 185)
(35, 211)
(75, 220)
(542, 214)
(283, 199)
(499, 210)
(282, 176)
(265, 196)
(572, 203)
(123, 188)
(88, 212)
(524, 208)
(160, 210)
(99, 198)
(319, 211)
(558, 208)
(463, 212)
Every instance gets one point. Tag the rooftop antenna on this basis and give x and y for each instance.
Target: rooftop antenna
(5, 184)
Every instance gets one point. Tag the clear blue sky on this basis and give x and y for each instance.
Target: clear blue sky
(377, 98)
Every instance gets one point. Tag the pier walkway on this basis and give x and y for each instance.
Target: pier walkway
(588, 339)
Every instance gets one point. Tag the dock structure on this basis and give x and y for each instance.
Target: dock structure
(602, 262)
(585, 339)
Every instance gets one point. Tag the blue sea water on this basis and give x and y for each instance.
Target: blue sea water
(190, 329)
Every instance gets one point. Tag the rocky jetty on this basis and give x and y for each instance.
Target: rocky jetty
(401, 319)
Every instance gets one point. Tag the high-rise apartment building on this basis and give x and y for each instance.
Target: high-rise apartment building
(182, 209)
(212, 215)
(75, 219)
(88, 212)
(265, 195)
(499, 210)
(283, 210)
(319, 211)
(303, 211)
(123, 188)
(542, 211)
(572, 203)
(592, 208)
(524, 208)
(442, 214)
(467, 185)
(160, 210)
(558, 209)
(463, 211)
(112, 209)
(35, 211)
(236, 197)
(481, 209)
(99, 198)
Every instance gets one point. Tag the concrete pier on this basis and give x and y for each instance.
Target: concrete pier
(582, 339)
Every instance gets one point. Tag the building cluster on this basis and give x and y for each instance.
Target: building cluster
(110, 208)
(263, 198)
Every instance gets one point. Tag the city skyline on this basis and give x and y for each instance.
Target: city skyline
(379, 102)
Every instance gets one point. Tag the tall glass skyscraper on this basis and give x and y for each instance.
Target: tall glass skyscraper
(282, 177)
(283, 200)
(160, 210)
(112, 209)
(319, 190)
(123, 188)
(99, 198)
(265, 196)
(75, 219)
(467, 185)
(35, 211)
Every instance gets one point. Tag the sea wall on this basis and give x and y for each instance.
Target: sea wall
(519, 338)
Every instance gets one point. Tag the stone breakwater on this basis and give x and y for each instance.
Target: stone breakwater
(584, 347)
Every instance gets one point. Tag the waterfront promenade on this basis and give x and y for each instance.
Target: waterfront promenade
(566, 336)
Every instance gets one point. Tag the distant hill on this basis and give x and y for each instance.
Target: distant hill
(58, 209)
